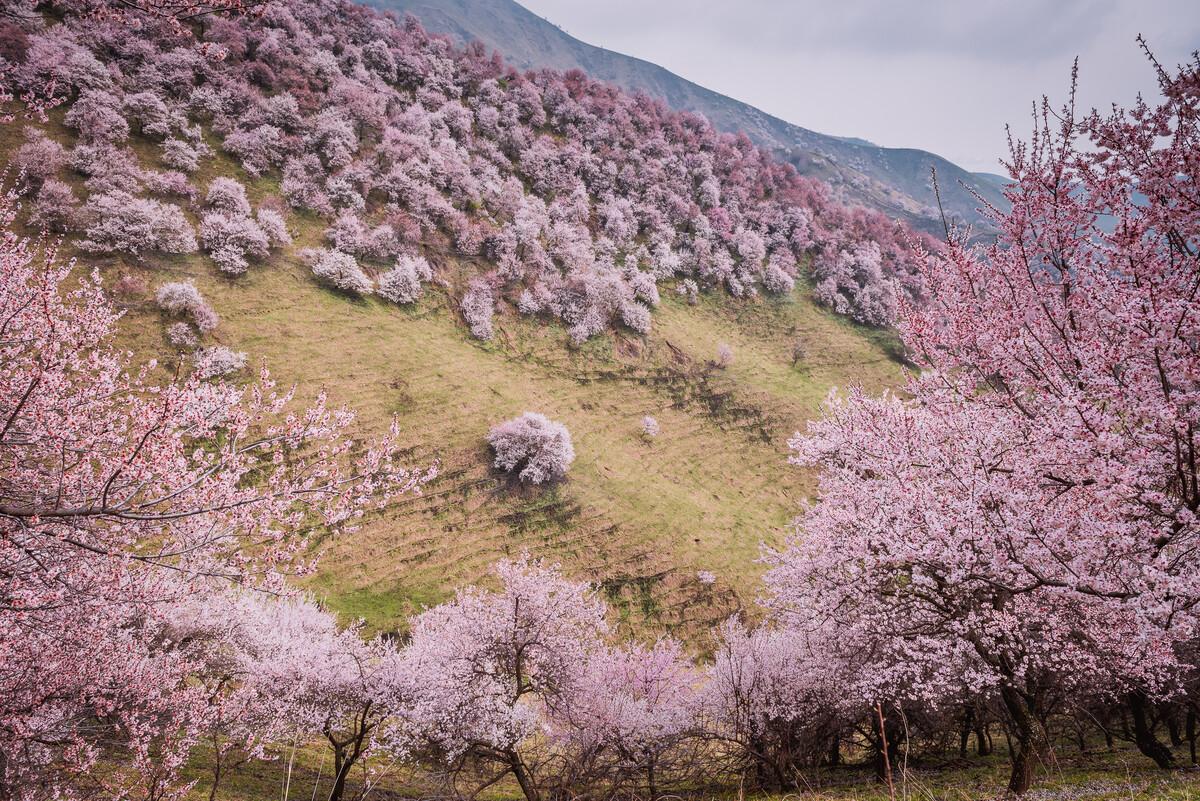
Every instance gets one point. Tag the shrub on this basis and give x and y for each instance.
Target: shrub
(55, 207)
(274, 226)
(182, 297)
(231, 239)
(777, 280)
(339, 270)
(259, 149)
(650, 427)
(130, 287)
(228, 196)
(150, 113)
(854, 281)
(170, 182)
(402, 283)
(122, 222)
(724, 355)
(477, 307)
(183, 155)
(39, 158)
(182, 336)
(536, 448)
(690, 290)
(96, 115)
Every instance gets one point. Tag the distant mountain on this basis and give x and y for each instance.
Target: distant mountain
(894, 180)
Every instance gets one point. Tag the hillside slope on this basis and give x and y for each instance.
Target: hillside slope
(893, 180)
(641, 517)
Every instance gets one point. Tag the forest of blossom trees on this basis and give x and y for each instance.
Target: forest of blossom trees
(580, 198)
(1008, 547)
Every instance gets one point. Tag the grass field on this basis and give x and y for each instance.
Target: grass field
(640, 516)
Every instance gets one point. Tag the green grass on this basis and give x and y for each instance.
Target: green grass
(703, 495)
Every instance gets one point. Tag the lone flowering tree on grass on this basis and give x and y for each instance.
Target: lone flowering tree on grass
(1032, 508)
(119, 495)
(533, 446)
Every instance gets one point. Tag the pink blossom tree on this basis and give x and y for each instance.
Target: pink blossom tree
(182, 297)
(120, 222)
(305, 675)
(533, 446)
(340, 271)
(634, 707)
(769, 698)
(402, 283)
(478, 306)
(488, 667)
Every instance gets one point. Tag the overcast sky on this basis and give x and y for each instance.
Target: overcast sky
(942, 75)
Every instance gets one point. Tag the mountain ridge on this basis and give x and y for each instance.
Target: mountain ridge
(893, 180)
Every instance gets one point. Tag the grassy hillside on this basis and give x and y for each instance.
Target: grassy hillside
(638, 516)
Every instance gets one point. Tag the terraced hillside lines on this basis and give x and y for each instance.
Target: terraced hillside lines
(641, 516)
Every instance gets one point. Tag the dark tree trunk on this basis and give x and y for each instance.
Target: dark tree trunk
(964, 732)
(1173, 729)
(1024, 741)
(651, 783)
(835, 751)
(887, 744)
(1143, 733)
(1105, 725)
(341, 768)
(347, 752)
(983, 738)
(522, 775)
(212, 794)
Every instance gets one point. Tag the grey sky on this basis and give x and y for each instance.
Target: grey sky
(944, 75)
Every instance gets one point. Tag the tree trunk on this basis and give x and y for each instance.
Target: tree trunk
(964, 732)
(835, 751)
(1173, 730)
(887, 744)
(1023, 745)
(212, 794)
(1143, 734)
(341, 767)
(983, 738)
(651, 784)
(522, 775)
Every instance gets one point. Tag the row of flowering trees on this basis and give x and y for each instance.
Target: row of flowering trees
(580, 197)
